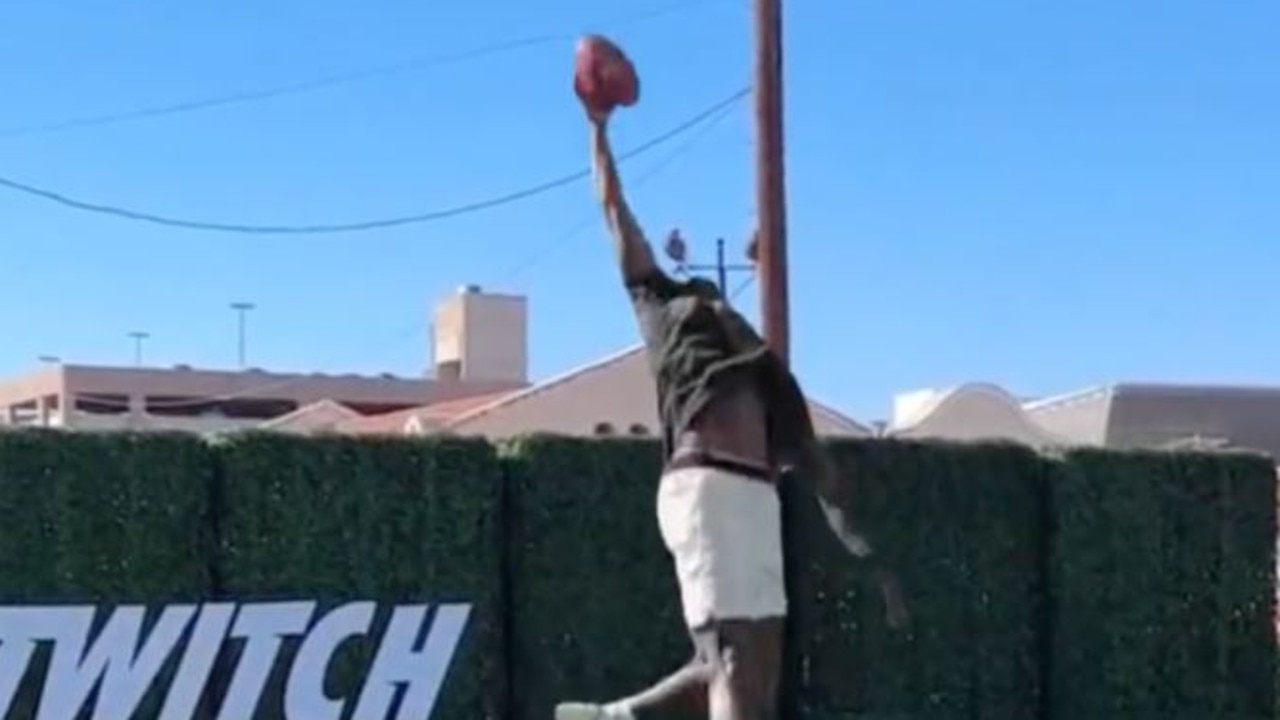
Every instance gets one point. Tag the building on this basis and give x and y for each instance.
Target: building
(1123, 415)
(967, 413)
(1155, 415)
(479, 349)
(478, 386)
(614, 396)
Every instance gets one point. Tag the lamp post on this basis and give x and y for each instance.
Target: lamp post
(242, 310)
(139, 337)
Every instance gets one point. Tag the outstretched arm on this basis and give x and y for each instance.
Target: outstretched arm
(634, 254)
(810, 460)
(813, 462)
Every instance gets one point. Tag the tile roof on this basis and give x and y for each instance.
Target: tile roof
(320, 413)
(537, 389)
(433, 416)
(832, 417)
(458, 413)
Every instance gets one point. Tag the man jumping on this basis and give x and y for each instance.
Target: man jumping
(733, 416)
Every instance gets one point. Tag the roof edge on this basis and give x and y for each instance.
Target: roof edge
(950, 396)
(538, 388)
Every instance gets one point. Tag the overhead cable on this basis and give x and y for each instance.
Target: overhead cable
(593, 218)
(355, 76)
(364, 225)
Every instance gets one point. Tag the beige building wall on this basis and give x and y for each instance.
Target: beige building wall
(970, 413)
(177, 397)
(321, 417)
(481, 337)
(613, 396)
(616, 392)
(88, 422)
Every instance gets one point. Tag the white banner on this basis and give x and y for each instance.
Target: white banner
(126, 662)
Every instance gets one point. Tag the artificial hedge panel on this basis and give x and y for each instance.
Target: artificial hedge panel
(1162, 577)
(1104, 585)
(595, 610)
(961, 526)
(102, 519)
(394, 520)
(1249, 537)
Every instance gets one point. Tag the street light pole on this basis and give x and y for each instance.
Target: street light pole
(138, 337)
(242, 310)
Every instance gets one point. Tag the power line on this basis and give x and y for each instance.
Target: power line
(661, 165)
(588, 220)
(271, 93)
(640, 180)
(355, 76)
(140, 216)
(746, 282)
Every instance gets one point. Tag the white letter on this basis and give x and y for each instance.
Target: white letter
(20, 629)
(73, 672)
(262, 625)
(304, 697)
(122, 688)
(197, 662)
(400, 662)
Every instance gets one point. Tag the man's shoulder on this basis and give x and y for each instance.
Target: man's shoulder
(651, 298)
(652, 284)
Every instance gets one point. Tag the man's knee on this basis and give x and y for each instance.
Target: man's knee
(702, 666)
(747, 654)
(743, 677)
(748, 675)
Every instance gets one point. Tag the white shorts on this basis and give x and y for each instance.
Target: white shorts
(724, 532)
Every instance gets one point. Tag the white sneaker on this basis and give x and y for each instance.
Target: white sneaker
(580, 711)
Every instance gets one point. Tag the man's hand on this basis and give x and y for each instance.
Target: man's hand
(843, 530)
(598, 118)
(896, 614)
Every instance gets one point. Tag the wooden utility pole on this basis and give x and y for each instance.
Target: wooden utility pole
(771, 200)
(771, 209)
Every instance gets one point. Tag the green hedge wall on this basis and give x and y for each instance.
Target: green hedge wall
(961, 526)
(1162, 577)
(593, 599)
(103, 519)
(394, 520)
(1101, 585)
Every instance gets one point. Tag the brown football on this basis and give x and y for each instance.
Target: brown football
(603, 76)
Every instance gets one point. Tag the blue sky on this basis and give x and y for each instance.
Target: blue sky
(1040, 194)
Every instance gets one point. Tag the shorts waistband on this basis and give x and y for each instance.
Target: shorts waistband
(700, 458)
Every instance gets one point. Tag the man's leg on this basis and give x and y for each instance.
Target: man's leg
(685, 690)
(680, 694)
(748, 661)
(734, 675)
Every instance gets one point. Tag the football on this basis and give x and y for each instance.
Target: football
(603, 76)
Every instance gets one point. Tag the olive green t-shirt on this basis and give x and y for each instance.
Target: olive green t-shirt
(699, 348)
